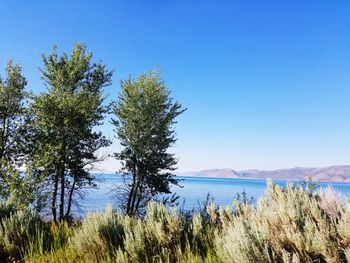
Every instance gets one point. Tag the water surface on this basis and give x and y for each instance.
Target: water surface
(193, 192)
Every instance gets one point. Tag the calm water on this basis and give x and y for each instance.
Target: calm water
(195, 189)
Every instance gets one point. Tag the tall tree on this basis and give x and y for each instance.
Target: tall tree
(12, 137)
(12, 112)
(144, 117)
(65, 121)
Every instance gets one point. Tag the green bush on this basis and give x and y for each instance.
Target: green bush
(22, 232)
(6, 209)
(98, 235)
(154, 237)
(288, 225)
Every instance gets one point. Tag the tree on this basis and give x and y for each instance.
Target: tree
(13, 114)
(65, 121)
(144, 117)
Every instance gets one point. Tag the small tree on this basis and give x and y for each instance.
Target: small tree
(65, 118)
(145, 114)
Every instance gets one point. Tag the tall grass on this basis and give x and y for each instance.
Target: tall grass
(291, 224)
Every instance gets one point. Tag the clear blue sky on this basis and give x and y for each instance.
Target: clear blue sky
(266, 83)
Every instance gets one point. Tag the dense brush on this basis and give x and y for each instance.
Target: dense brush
(288, 225)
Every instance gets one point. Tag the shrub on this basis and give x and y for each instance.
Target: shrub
(330, 202)
(245, 240)
(157, 235)
(98, 234)
(288, 225)
(22, 232)
(6, 209)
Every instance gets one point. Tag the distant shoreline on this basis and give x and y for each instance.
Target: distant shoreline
(259, 179)
(332, 174)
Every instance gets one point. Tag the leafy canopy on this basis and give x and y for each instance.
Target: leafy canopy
(145, 114)
(66, 117)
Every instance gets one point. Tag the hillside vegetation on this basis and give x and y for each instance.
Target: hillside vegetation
(292, 224)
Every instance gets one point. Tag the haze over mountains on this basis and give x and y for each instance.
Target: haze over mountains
(340, 173)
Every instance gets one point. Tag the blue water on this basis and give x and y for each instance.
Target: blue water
(193, 192)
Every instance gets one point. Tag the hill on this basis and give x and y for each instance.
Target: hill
(340, 173)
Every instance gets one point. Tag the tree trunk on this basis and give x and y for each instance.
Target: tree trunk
(139, 198)
(54, 198)
(131, 195)
(62, 176)
(135, 195)
(133, 198)
(62, 181)
(3, 138)
(70, 198)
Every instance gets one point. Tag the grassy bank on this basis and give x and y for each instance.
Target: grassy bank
(292, 224)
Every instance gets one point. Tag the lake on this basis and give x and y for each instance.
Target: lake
(194, 190)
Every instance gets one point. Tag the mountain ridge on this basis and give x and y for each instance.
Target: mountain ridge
(335, 173)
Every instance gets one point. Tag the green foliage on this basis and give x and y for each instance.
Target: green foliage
(99, 234)
(287, 225)
(64, 122)
(144, 118)
(6, 209)
(14, 137)
(19, 231)
(21, 190)
(246, 240)
(243, 198)
(156, 236)
(56, 139)
(12, 113)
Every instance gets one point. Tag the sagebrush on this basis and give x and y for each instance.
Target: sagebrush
(291, 224)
